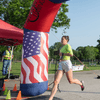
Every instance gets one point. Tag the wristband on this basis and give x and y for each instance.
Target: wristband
(62, 54)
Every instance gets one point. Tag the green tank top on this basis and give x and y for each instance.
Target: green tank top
(66, 49)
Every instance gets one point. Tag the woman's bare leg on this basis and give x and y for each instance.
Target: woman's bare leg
(69, 76)
(56, 82)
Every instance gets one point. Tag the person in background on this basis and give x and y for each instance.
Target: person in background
(65, 66)
(6, 60)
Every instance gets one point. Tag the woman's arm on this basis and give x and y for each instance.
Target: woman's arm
(65, 54)
(68, 54)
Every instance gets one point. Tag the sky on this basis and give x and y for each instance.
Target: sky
(84, 27)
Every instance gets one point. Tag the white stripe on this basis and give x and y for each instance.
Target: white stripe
(21, 66)
(27, 70)
(40, 70)
(44, 61)
(21, 77)
(35, 64)
(45, 39)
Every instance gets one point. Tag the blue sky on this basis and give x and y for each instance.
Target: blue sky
(84, 25)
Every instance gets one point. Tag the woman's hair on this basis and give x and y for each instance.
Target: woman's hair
(66, 37)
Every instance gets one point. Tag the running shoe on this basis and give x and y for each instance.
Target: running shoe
(82, 87)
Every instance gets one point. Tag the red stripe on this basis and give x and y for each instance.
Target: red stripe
(40, 64)
(46, 34)
(46, 57)
(42, 50)
(37, 58)
(31, 67)
(42, 73)
(24, 74)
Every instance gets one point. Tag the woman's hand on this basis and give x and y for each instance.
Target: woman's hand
(68, 54)
(60, 54)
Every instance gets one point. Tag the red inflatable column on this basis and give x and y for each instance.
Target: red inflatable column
(34, 68)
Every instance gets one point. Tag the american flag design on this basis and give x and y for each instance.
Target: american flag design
(34, 68)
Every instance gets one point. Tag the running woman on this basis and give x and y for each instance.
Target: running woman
(65, 65)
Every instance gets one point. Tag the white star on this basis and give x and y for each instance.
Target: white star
(29, 53)
(32, 36)
(39, 45)
(29, 43)
(28, 32)
(39, 35)
(37, 51)
(33, 33)
(34, 41)
(31, 40)
(38, 48)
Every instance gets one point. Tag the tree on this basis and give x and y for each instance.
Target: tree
(2, 49)
(98, 46)
(15, 12)
(76, 53)
(17, 51)
(96, 50)
(56, 47)
(89, 53)
(80, 52)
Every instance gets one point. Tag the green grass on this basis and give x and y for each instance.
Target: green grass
(52, 69)
(16, 68)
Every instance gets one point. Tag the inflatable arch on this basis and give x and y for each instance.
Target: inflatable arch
(34, 67)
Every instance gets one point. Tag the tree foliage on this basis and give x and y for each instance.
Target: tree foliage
(89, 53)
(83, 53)
(80, 52)
(56, 47)
(16, 12)
(98, 47)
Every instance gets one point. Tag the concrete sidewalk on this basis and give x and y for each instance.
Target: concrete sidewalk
(68, 91)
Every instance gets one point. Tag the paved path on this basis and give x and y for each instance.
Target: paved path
(68, 91)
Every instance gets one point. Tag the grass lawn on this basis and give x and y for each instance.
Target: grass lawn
(16, 68)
